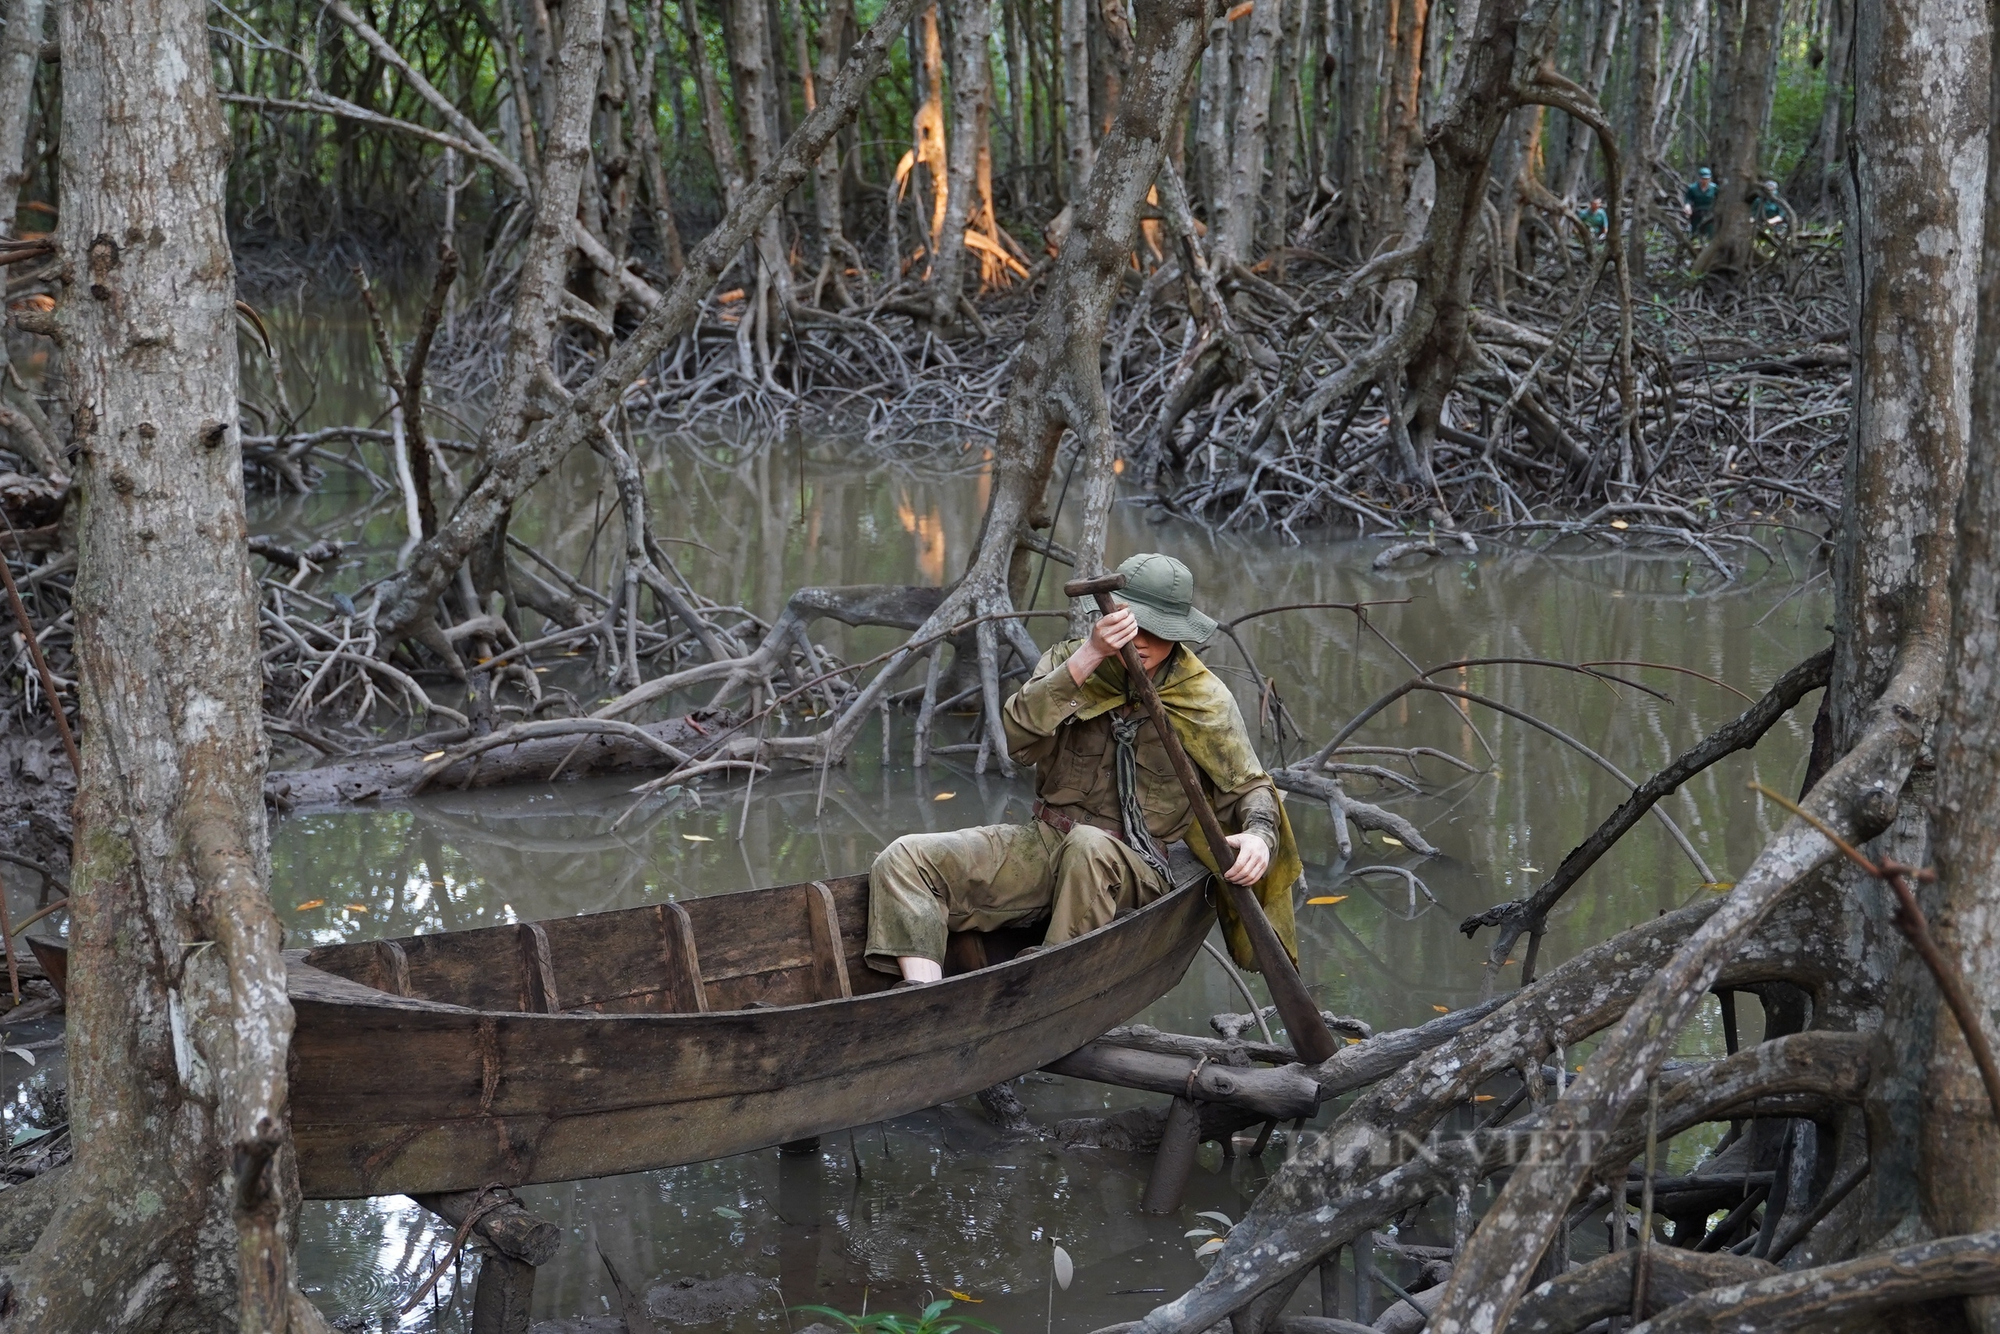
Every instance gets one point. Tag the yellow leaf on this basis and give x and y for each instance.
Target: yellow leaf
(1329, 898)
(1354, 1042)
(697, 838)
(944, 796)
(1482, 1097)
(541, 671)
(434, 755)
(357, 907)
(310, 904)
(1526, 867)
(1506, 963)
(1442, 1009)
(963, 1297)
(1620, 524)
(1392, 842)
(1719, 886)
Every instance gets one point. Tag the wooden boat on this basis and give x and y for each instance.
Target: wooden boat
(648, 1037)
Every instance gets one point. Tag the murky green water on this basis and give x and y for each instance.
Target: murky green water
(895, 1215)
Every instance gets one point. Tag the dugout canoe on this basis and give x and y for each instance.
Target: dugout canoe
(648, 1037)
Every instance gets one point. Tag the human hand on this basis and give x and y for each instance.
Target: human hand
(1253, 858)
(1111, 633)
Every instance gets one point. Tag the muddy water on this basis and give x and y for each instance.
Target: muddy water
(892, 1216)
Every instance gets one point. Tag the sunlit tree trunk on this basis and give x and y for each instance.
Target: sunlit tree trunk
(180, 1214)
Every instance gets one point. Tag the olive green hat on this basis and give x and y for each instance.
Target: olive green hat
(1160, 592)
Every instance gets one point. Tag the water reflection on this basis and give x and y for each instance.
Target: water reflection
(939, 1202)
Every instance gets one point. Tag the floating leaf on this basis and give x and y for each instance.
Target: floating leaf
(1442, 1009)
(1065, 1271)
(1392, 842)
(541, 671)
(1482, 1097)
(356, 907)
(944, 796)
(1199, 1232)
(964, 1297)
(1526, 867)
(309, 905)
(1328, 898)
(23, 1053)
(434, 755)
(1354, 1042)
(1208, 1248)
(726, 1212)
(1217, 1215)
(1719, 886)
(697, 838)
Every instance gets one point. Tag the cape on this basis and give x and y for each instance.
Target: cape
(1210, 728)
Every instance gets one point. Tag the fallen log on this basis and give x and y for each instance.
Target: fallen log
(1603, 1287)
(539, 760)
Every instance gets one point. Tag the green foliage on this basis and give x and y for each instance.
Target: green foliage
(1796, 104)
(931, 1321)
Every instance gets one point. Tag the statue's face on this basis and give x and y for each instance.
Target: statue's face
(1153, 650)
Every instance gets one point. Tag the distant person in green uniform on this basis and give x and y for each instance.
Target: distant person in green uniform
(1770, 208)
(1108, 806)
(1594, 217)
(1700, 197)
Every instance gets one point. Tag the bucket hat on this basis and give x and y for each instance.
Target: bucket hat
(1160, 592)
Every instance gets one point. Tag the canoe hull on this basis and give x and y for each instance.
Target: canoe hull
(392, 1095)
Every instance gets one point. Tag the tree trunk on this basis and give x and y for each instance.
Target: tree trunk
(641, 75)
(1638, 184)
(1212, 120)
(1917, 194)
(20, 58)
(1958, 1127)
(835, 251)
(971, 100)
(1285, 126)
(1403, 107)
(1080, 151)
(1834, 116)
(180, 1217)
(1737, 167)
(1610, 19)
(1235, 224)
(545, 267)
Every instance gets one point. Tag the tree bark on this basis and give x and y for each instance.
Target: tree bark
(971, 102)
(1958, 1130)
(1638, 183)
(1079, 148)
(1235, 223)
(20, 58)
(1737, 166)
(180, 1217)
(1403, 107)
(538, 291)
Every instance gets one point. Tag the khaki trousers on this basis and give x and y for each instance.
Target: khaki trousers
(996, 875)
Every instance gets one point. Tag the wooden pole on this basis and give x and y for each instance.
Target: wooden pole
(1310, 1035)
(1175, 1161)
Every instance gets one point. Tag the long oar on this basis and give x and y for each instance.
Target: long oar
(1310, 1037)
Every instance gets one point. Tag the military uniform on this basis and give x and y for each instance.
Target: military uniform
(1083, 859)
